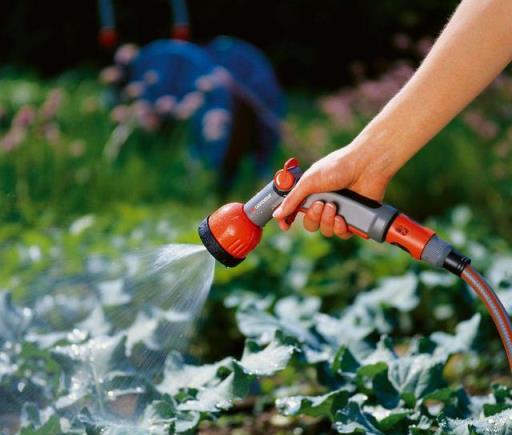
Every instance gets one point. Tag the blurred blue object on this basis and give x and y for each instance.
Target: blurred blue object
(170, 70)
(255, 83)
(106, 11)
(227, 89)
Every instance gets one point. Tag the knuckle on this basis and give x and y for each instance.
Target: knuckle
(328, 215)
(310, 228)
(311, 215)
(338, 231)
(316, 210)
(326, 231)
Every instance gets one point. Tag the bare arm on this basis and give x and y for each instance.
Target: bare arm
(472, 50)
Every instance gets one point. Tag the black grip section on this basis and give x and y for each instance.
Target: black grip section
(456, 262)
(370, 203)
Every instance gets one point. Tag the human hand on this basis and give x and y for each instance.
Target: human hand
(352, 167)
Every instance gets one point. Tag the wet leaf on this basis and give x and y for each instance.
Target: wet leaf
(316, 406)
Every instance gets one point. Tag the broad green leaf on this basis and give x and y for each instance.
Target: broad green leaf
(221, 396)
(345, 362)
(373, 379)
(294, 308)
(51, 427)
(352, 419)
(412, 376)
(14, 321)
(398, 292)
(316, 406)
(416, 375)
(456, 403)
(112, 292)
(97, 369)
(388, 419)
(502, 400)
(498, 424)
(178, 375)
(462, 341)
(268, 360)
(256, 323)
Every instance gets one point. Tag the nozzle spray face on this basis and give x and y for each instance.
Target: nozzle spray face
(229, 234)
(235, 229)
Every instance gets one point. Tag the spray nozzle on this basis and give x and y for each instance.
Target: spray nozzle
(234, 230)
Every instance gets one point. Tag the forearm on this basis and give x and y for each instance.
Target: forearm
(472, 50)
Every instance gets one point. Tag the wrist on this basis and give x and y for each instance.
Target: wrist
(376, 155)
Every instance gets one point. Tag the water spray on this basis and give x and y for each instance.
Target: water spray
(234, 230)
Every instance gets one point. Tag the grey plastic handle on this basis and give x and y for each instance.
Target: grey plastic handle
(365, 215)
(260, 207)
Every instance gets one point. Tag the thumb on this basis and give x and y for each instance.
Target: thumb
(294, 199)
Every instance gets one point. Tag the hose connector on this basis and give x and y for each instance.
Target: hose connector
(456, 262)
(439, 253)
(436, 251)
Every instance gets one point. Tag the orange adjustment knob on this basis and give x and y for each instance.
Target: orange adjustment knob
(284, 179)
(290, 164)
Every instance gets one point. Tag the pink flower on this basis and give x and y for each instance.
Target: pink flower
(220, 76)
(215, 124)
(365, 99)
(120, 114)
(77, 148)
(205, 83)
(487, 129)
(134, 89)
(424, 46)
(151, 77)
(125, 54)
(402, 73)
(51, 132)
(401, 41)
(338, 108)
(165, 104)
(145, 116)
(24, 118)
(111, 75)
(52, 104)
(13, 139)
(188, 105)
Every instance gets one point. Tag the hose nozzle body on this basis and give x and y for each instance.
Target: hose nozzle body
(234, 230)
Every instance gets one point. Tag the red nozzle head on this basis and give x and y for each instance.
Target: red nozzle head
(229, 235)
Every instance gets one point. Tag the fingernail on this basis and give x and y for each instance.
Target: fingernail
(277, 212)
(317, 206)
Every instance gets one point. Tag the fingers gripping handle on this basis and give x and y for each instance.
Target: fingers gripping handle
(364, 217)
(380, 222)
